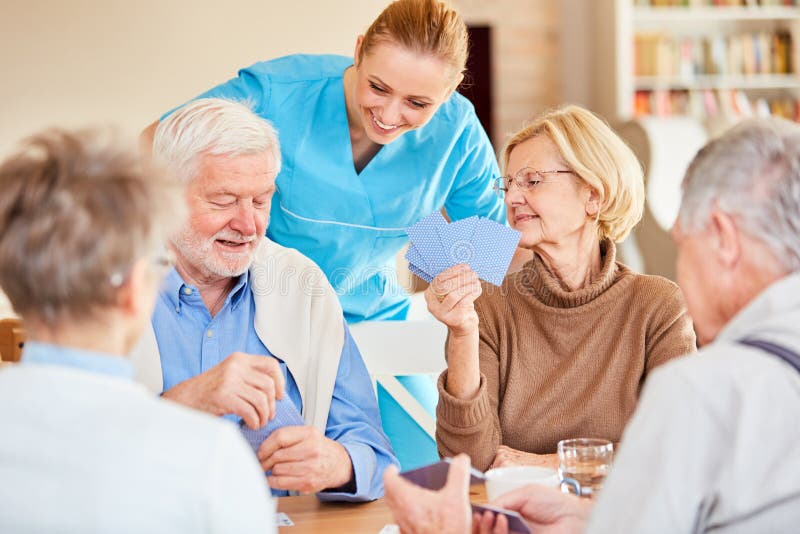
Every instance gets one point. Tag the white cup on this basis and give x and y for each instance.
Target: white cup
(501, 480)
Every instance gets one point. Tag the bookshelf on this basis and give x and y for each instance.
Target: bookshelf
(701, 58)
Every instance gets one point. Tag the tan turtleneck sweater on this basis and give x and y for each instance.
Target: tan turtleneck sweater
(559, 364)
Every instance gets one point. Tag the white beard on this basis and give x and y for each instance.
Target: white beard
(200, 253)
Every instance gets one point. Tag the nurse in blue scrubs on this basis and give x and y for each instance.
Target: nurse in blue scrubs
(371, 145)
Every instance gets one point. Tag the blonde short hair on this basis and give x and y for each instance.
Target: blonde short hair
(599, 158)
(76, 211)
(422, 26)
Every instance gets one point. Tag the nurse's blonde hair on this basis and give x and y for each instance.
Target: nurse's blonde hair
(422, 26)
(599, 158)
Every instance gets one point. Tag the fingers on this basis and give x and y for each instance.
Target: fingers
(290, 483)
(261, 372)
(453, 278)
(296, 452)
(238, 406)
(532, 497)
(500, 524)
(257, 401)
(458, 476)
(271, 368)
(486, 522)
(282, 438)
(396, 487)
(403, 497)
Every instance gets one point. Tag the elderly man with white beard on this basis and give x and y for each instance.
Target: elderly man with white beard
(247, 329)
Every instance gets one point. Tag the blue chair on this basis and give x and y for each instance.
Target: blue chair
(404, 359)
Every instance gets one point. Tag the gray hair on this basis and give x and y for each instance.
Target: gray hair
(752, 172)
(77, 210)
(212, 126)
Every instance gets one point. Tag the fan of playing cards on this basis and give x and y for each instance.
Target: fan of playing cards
(486, 246)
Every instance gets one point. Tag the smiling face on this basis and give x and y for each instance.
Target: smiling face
(397, 90)
(229, 201)
(555, 211)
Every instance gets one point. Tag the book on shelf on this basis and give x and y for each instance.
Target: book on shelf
(711, 104)
(667, 55)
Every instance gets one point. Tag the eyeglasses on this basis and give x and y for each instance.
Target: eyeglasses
(526, 179)
(161, 261)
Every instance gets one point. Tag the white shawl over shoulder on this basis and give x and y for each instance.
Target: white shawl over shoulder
(298, 317)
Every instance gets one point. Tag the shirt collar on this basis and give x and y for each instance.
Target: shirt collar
(96, 362)
(173, 286)
(777, 299)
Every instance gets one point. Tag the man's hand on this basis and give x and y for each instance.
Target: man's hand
(419, 510)
(506, 456)
(302, 459)
(242, 384)
(545, 510)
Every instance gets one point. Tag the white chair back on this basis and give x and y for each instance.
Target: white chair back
(392, 348)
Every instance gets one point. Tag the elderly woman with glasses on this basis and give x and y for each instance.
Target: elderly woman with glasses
(562, 348)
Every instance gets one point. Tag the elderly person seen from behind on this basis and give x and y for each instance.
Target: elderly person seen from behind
(84, 448)
(563, 347)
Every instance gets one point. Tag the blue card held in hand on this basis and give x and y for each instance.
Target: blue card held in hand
(486, 246)
(419, 272)
(286, 414)
(515, 522)
(434, 476)
(424, 236)
(495, 245)
(414, 257)
(456, 239)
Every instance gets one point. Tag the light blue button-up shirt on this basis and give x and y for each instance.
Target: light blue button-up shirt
(95, 362)
(191, 342)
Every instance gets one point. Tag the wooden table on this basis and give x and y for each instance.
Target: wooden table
(311, 515)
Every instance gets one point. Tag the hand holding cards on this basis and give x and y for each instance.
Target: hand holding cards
(486, 246)
(434, 477)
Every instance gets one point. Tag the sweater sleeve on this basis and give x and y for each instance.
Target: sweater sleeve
(472, 426)
(670, 333)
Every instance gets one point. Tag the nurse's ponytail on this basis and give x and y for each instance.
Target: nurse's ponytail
(423, 26)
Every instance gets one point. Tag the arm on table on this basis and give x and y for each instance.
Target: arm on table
(346, 464)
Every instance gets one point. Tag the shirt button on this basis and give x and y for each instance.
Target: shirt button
(209, 333)
(177, 309)
(187, 290)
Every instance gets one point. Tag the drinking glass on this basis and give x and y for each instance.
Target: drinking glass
(583, 464)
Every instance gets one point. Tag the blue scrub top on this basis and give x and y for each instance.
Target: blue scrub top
(353, 224)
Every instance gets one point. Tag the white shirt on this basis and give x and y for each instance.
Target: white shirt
(714, 445)
(84, 451)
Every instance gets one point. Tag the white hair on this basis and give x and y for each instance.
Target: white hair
(212, 126)
(752, 172)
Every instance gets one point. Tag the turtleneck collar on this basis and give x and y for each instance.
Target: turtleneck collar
(548, 289)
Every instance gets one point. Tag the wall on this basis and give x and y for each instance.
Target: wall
(527, 55)
(71, 62)
(75, 62)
